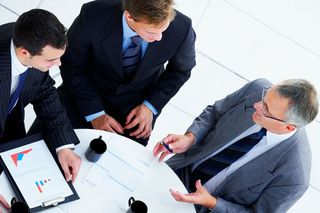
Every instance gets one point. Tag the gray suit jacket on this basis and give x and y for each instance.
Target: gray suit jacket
(272, 182)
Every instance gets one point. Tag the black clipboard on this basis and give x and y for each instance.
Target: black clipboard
(24, 141)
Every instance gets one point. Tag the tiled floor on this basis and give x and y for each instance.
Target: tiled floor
(237, 41)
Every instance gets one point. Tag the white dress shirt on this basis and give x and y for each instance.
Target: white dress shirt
(16, 67)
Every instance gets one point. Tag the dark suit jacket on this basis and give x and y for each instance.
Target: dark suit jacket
(92, 65)
(38, 90)
(272, 182)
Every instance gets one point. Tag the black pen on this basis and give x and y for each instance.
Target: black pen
(166, 146)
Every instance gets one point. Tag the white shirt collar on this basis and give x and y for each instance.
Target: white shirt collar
(273, 138)
(127, 31)
(17, 66)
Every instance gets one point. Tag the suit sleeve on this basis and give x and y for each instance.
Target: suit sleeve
(177, 72)
(207, 120)
(57, 130)
(75, 63)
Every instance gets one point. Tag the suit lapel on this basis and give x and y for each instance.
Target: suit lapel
(151, 57)
(229, 127)
(112, 43)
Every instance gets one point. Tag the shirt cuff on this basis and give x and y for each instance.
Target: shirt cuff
(94, 116)
(149, 105)
(67, 146)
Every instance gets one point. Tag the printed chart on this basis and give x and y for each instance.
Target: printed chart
(36, 173)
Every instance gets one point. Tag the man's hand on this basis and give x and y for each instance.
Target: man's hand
(141, 116)
(4, 203)
(70, 163)
(177, 143)
(201, 196)
(107, 123)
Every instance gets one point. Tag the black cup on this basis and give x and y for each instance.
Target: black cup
(137, 206)
(18, 207)
(95, 150)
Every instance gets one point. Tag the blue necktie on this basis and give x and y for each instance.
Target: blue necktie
(132, 56)
(16, 94)
(212, 166)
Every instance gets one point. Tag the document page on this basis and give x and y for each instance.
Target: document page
(36, 173)
(114, 177)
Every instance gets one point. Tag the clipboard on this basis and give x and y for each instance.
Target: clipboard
(40, 186)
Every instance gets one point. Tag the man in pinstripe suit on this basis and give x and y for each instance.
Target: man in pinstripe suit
(35, 43)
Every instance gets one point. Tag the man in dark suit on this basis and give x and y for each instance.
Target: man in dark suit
(28, 48)
(243, 171)
(113, 70)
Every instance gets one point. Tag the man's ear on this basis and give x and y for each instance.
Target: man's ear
(291, 127)
(22, 52)
(128, 16)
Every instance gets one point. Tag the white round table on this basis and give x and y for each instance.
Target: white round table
(98, 195)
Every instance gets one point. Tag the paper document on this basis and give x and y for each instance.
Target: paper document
(114, 177)
(36, 173)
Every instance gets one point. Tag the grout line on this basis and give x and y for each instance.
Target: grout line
(225, 67)
(40, 3)
(10, 10)
(178, 108)
(315, 188)
(203, 13)
(273, 29)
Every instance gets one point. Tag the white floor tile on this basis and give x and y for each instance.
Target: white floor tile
(30, 115)
(66, 13)
(208, 82)
(6, 16)
(298, 20)
(308, 202)
(19, 6)
(193, 9)
(251, 49)
(171, 120)
(55, 74)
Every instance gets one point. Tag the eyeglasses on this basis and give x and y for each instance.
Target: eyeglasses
(265, 107)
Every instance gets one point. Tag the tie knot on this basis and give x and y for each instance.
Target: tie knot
(137, 40)
(262, 133)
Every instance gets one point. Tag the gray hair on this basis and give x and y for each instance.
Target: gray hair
(303, 105)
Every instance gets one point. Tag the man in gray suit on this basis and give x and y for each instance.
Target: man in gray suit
(272, 175)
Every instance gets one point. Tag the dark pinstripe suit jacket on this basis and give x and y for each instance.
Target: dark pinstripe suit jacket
(40, 92)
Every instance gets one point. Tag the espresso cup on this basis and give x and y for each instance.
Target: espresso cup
(18, 207)
(95, 150)
(137, 206)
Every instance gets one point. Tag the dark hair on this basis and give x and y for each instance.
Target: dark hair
(150, 11)
(38, 28)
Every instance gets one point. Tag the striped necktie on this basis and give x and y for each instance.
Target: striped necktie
(132, 56)
(16, 94)
(212, 166)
